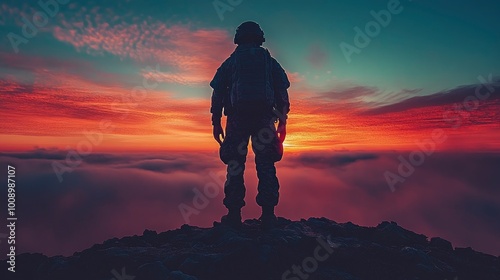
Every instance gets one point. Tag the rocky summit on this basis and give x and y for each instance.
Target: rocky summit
(316, 248)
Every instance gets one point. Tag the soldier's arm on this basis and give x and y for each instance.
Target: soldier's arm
(220, 87)
(281, 85)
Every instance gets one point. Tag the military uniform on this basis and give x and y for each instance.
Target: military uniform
(250, 121)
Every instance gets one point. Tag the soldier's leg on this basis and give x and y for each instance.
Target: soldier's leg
(268, 150)
(268, 186)
(233, 152)
(234, 187)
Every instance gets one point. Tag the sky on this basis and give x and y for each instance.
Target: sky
(120, 89)
(89, 62)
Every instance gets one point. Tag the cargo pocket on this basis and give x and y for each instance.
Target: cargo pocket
(233, 149)
(224, 152)
(267, 149)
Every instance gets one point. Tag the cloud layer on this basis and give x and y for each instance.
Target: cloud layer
(452, 195)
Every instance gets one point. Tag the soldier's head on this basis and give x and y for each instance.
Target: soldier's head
(249, 32)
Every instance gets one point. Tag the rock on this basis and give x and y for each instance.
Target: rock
(196, 265)
(152, 271)
(179, 275)
(441, 243)
(390, 233)
(316, 247)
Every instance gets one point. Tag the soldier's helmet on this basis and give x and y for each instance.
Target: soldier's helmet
(249, 32)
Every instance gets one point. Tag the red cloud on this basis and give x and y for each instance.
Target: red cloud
(192, 54)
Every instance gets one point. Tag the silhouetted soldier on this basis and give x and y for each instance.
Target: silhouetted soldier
(251, 87)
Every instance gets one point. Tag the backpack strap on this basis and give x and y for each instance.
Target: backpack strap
(269, 73)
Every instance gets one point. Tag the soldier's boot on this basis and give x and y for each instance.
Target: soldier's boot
(268, 219)
(233, 218)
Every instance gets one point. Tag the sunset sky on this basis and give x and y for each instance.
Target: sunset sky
(128, 81)
(88, 64)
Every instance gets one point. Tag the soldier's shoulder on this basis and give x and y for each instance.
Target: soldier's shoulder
(276, 64)
(225, 64)
(228, 60)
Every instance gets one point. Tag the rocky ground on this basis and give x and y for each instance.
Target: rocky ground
(316, 248)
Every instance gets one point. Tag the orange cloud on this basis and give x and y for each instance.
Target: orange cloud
(60, 108)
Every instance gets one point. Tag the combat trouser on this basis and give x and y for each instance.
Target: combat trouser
(267, 148)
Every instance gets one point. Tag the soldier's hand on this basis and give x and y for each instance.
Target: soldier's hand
(218, 133)
(281, 131)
